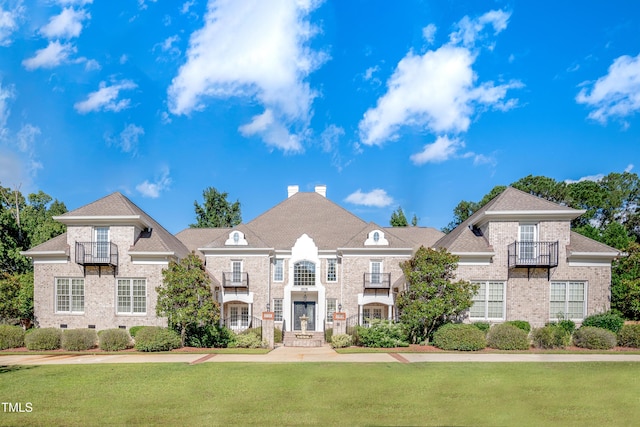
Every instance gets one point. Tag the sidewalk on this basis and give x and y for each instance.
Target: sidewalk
(309, 354)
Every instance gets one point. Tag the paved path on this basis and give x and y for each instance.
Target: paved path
(313, 354)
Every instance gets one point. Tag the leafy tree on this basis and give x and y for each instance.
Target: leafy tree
(414, 221)
(185, 297)
(432, 298)
(16, 298)
(465, 209)
(216, 211)
(398, 219)
(544, 187)
(625, 283)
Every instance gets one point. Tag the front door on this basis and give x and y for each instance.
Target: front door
(300, 309)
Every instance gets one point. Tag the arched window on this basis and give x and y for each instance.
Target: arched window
(236, 237)
(376, 237)
(304, 273)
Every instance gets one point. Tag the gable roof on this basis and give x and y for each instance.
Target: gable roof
(580, 244)
(54, 245)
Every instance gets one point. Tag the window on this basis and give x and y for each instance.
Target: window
(304, 273)
(277, 309)
(132, 296)
(101, 249)
(236, 271)
(369, 313)
(69, 295)
(238, 316)
(236, 237)
(488, 302)
(376, 237)
(376, 272)
(567, 299)
(331, 308)
(278, 271)
(332, 270)
(527, 238)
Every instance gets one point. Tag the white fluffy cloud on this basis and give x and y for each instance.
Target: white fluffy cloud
(377, 198)
(255, 50)
(67, 24)
(153, 189)
(51, 56)
(128, 139)
(442, 149)
(106, 98)
(6, 94)
(9, 22)
(615, 95)
(438, 91)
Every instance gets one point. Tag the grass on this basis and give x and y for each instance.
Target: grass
(579, 394)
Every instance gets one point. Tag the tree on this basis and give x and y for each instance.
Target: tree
(431, 298)
(398, 219)
(414, 221)
(16, 299)
(185, 296)
(216, 211)
(465, 209)
(625, 283)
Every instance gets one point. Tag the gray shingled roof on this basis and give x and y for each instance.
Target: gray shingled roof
(56, 244)
(580, 243)
(417, 236)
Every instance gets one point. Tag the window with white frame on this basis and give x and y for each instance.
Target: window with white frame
(370, 313)
(304, 273)
(238, 316)
(132, 296)
(101, 242)
(527, 235)
(376, 272)
(489, 301)
(331, 308)
(567, 300)
(277, 309)
(236, 271)
(278, 270)
(69, 295)
(332, 270)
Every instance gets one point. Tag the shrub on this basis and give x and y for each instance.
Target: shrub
(551, 336)
(79, 339)
(328, 334)
(341, 341)
(483, 326)
(209, 336)
(609, 320)
(594, 338)
(156, 338)
(382, 333)
(43, 339)
(277, 335)
(522, 324)
(507, 337)
(629, 336)
(568, 325)
(11, 336)
(248, 340)
(114, 339)
(134, 330)
(459, 337)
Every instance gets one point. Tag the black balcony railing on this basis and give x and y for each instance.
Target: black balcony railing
(533, 254)
(235, 279)
(97, 253)
(377, 280)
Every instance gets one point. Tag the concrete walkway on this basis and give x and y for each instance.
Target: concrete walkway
(309, 354)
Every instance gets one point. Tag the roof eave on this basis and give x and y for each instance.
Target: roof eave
(104, 220)
(528, 215)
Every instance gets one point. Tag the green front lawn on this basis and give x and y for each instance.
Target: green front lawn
(322, 393)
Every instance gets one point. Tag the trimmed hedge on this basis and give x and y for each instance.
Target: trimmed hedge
(459, 337)
(522, 324)
(249, 340)
(507, 337)
(629, 336)
(608, 320)
(568, 325)
(42, 339)
(594, 338)
(483, 326)
(156, 338)
(114, 339)
(551, 336)
(79, 339)
(134, 330)
(11, 336)
(341, 341)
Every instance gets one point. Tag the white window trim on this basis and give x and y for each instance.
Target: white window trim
(55, 295)
(146, 297)
(554, 316)
(335, 271)
(335, 308)
(280, 312)
(486, 301)
(275, 264)
(380, 273)
(233, 262)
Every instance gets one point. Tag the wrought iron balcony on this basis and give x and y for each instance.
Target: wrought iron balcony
(533, 254)
(377, 280)
(235, 279)
(97, 253)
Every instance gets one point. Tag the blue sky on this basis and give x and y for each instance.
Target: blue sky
(419, 104)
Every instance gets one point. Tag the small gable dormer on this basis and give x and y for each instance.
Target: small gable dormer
(236, 238)
(376, 238)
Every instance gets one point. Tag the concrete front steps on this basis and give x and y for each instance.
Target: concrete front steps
(309, 339)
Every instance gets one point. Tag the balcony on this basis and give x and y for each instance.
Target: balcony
(97, 254)
(377, 281)
(533, 255)
(236, 280)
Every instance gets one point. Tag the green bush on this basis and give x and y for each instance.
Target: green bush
(568, 325)
(134, 330)
(507, 337)
(248, 340)
(11, 336)
(328, 333)
(114, 339)
(609, 320)
(594, 338)
(382, 334)
(277, 335)
(629, 336)
(551, 336)
(209, 336)
(42, 339)
(459, 337)
(341, 341)
(483, 326)
(522, 324)
(79, 339)
(156, 338)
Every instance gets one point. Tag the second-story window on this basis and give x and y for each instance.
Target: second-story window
(278, 270)
(101, 242)
(304, 273)
(332, 264)
(376, 272)
(527, 235)
(236, 271)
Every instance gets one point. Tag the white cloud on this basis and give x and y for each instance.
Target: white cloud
(186, 6)
(376, 198)
(168, 46)
(437, 91)
(629, 168)
(429, 33)
(25, 140)
(330, 137)
(272, 132)
(74, 2)
(106, 98)
(9, 21)
(51, 56)
(255, 50)
(128, 139)
(6, 94)
(92, 65)
(67, 24)
(470, 31)
(142, 4)
(615, 95)
(439, 151)
(153, 189)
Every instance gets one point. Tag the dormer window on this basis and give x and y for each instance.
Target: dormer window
(236, 238)
(376, 238)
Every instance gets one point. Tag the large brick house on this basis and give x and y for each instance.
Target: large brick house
(309, 256)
